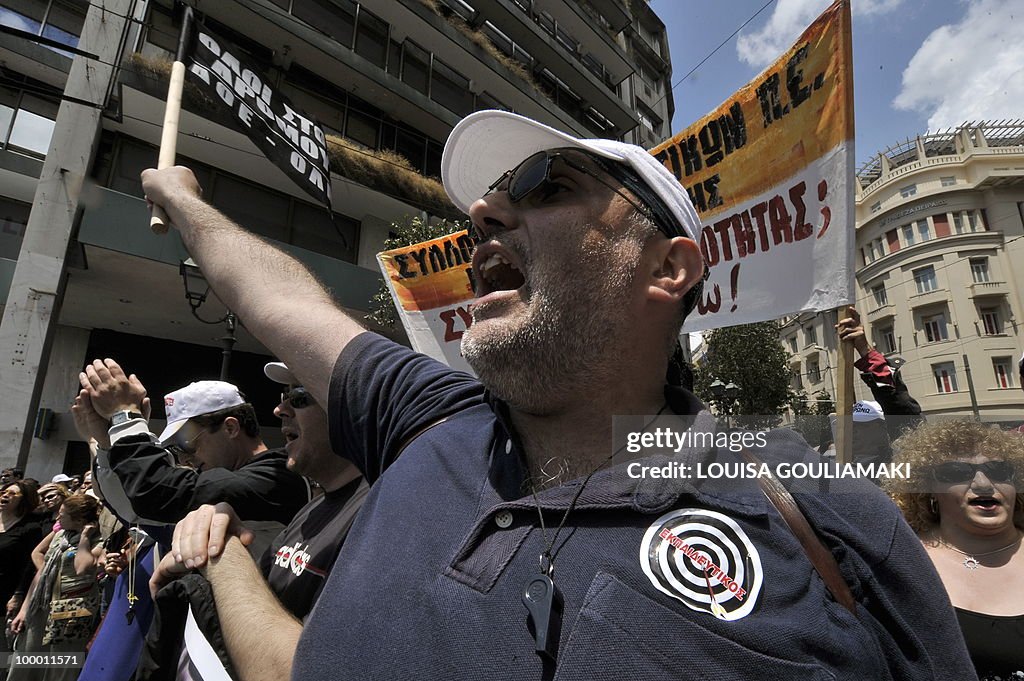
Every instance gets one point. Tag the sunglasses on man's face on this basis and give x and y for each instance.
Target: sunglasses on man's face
(535, 173)
(953, 472)
(187, 446)
(297, 398)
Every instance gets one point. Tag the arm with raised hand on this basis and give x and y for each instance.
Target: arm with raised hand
(278, 298)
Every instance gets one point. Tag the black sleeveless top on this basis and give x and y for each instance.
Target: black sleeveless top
(995, 642)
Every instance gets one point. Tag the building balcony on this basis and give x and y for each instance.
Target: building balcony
(936, 297)
(881, 312)
(981, 289)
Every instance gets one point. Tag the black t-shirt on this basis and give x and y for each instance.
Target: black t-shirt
(300, 557)
(16, 546)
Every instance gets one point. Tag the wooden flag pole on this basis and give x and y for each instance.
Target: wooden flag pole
(158, 221)
(845, 396)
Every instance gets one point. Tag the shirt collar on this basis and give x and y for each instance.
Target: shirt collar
(613, 488)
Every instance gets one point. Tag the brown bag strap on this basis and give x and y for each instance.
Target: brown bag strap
(821, 558)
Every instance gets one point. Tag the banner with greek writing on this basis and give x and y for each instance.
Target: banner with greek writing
(431, 286)
(771, 174)
(294, 142)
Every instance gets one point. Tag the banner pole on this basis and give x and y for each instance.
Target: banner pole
(158, 221)
(845, 397)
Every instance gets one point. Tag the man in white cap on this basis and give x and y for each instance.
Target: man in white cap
(501, 544)
(209, 425)
(280, 591)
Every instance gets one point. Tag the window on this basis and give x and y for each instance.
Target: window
(263, 212)
(908, 191)
(798, 380)
(13, 219)
(362, 128)
(887, 340)
(372, 38)
(958, 223)
(416, 67)
(336, 18)
(878, 292)
(792, 345)
(810, 335)
(948, 181)
(312, 230)
(876, 206)
(972, 220)
(26, 122)
(876, 249)
(908, 235)
(990, 321)
(925, 279)
(1003, 371)
(979, 270)
(945, 377)
(59, 20)
(922, 230)
(451, 89)
(813, 372)
(935, 328)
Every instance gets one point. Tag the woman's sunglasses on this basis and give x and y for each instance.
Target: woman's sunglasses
(953, 472)
(298, 398)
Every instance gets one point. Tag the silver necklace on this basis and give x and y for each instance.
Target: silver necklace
(971, 561)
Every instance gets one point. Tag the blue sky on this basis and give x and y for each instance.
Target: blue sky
(918, 64)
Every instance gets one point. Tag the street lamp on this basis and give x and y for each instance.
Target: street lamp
(196, 291)
(725, 396)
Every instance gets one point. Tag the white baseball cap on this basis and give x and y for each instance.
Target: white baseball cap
(278, 372)
(196, 399)
(61, 477)
(867, 410)
(485, 144)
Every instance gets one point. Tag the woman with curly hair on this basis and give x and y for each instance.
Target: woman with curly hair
(963, 500)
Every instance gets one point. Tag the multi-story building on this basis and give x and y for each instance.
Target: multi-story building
(388, 79)
(939, 273)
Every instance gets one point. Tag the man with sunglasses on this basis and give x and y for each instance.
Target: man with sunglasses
(209, 425)
(501, 544)
(278, 593)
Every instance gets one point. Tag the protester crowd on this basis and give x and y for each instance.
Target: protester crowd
(438, 543)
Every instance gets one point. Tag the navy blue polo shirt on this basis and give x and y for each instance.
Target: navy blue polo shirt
(658, 580)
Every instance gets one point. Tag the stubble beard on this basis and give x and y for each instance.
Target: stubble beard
(569, 337)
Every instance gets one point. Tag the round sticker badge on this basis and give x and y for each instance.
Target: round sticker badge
(705, 560)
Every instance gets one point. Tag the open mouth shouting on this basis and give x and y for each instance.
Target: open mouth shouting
(985, 503)
(497, 272)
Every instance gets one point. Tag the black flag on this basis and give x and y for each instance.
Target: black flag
(292, 140)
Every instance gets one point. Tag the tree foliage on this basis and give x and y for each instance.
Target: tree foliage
(751, 356)
(406, 232)
(811, 414)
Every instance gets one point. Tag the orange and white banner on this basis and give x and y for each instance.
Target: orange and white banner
(771, 174)
(431, 287)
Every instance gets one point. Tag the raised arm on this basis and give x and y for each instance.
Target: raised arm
(279, 300)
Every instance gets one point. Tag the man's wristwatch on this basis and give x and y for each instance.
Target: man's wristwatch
(120, 417)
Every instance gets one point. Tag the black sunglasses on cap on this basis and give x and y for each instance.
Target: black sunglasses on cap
(297, 397)
(953, 472)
